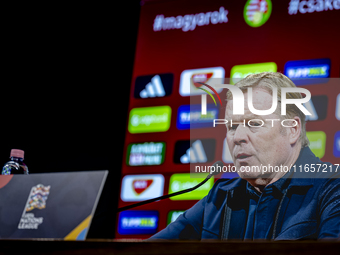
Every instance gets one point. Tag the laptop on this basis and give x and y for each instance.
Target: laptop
(49, 205)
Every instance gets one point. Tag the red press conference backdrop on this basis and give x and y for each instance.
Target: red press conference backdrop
(174, 36)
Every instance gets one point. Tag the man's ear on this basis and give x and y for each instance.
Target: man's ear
(294, 132)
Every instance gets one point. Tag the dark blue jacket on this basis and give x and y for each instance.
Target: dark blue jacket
(288, 209)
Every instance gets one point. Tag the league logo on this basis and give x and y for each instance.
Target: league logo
(36, 200)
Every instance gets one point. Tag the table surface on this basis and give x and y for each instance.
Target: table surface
(60, 247)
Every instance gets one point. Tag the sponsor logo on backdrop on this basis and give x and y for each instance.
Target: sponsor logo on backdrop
(184, 181)
(150, 86)
(317, 142)
(189, 116)
(141, 187)
(194, 154)
(194, 151)
(173, 215)
(304, 72)
(300, 6)
(143, 154)
(336, 146)
(317, 106)
(257, 12)
(138, 222)
(191, 79)
(337, 110)
(189, 22)
(239, 72)
(36, 200)
(149, 119)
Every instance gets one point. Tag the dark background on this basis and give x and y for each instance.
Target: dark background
(66, 75)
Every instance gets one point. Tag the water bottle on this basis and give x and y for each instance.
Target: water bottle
(16, 165)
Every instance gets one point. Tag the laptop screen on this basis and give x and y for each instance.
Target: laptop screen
(49, 205)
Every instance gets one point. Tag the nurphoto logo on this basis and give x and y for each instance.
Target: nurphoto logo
(238, 100)
(238, 103)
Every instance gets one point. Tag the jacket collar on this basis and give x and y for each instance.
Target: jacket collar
(298, 178)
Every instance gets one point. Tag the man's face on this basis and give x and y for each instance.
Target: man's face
(257, 146)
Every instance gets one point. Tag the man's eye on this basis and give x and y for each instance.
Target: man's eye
(254, 124)
(233, 127)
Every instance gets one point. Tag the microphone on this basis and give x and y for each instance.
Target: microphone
(217, 166)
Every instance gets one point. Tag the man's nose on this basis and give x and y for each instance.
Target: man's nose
(241, 135)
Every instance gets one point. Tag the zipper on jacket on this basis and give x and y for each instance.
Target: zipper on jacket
(278, 214)
(226, 217)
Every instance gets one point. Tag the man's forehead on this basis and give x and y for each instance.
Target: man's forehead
(260, 96)
(247, 115)
(261, 100)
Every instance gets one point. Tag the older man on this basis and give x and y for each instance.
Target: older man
(270, 205)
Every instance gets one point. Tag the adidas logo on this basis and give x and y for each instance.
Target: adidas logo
(194, 154)
(153, 89)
